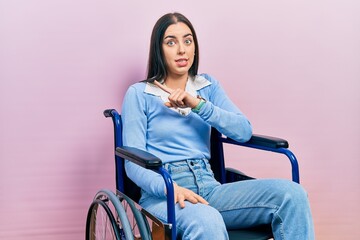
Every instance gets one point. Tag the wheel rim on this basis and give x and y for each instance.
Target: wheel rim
(138, 223)
(101, 224)
(116, 209)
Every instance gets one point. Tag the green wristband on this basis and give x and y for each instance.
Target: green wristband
(198, 107)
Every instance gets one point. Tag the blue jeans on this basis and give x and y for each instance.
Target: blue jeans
(281, 203)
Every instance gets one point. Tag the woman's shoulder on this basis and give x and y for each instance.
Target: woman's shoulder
(144, 90)
(209, 78)
(140, 86)
(136, 88)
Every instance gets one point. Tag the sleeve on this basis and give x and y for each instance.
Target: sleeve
(220, 112)
(134, 123)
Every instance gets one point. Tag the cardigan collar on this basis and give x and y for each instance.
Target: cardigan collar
(192, 86)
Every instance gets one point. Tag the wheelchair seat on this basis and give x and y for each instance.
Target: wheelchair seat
(128, 193)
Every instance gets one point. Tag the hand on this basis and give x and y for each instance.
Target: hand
(178, 97)
(182, 194)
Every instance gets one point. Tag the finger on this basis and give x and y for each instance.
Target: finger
(163, 87)
(168, 104)
(192, 199)
(177, 97)
(201, 200)
(170, 91)
(181, 99)
(171, 104)
(181, 201)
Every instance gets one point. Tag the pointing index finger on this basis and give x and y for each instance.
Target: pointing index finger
(163, 87)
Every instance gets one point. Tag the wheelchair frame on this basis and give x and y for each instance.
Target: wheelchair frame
(151, 162)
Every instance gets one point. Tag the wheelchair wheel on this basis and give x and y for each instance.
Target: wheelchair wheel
(111, 222)
(139, 223)
(101, 224)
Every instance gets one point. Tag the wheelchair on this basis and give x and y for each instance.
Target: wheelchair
(118, 216)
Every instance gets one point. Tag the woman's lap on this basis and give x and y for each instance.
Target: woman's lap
(233, 205)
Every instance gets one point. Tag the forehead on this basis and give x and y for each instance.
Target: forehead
(178, 29)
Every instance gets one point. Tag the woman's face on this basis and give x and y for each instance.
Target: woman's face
(179, 49)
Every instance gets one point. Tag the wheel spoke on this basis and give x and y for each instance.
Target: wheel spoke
(102, 223)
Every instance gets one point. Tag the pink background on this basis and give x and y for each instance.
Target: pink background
(292, 66)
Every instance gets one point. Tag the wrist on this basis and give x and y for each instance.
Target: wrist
(195, 103)
(200, 104)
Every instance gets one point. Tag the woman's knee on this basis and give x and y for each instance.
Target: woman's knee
(292, 194)
(296, 191)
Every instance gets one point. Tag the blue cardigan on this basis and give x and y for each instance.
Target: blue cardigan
(176, 134)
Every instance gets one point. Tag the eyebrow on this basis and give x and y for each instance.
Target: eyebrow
(171, 36)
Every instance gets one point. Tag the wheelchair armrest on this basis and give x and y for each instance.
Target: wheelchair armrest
(140, 157)
(267, 141)
(263, 141)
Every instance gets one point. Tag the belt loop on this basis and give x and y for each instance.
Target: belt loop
(166, 166)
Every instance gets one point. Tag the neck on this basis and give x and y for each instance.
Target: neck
(176, 82)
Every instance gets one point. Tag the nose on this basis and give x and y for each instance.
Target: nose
(181, 49)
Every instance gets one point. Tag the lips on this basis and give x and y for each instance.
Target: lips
(181, 62)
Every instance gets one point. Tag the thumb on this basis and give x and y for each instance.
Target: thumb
(168, 104)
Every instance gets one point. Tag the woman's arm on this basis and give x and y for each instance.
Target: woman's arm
(134, 124)
(220, 112)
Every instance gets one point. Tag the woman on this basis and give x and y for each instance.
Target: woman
(170, 115)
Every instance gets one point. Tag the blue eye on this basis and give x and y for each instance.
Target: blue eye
(170, 43)
(188, 41)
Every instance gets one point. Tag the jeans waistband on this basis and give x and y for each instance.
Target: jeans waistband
(186, 163)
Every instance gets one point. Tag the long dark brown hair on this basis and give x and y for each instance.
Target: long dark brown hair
(156, 63)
